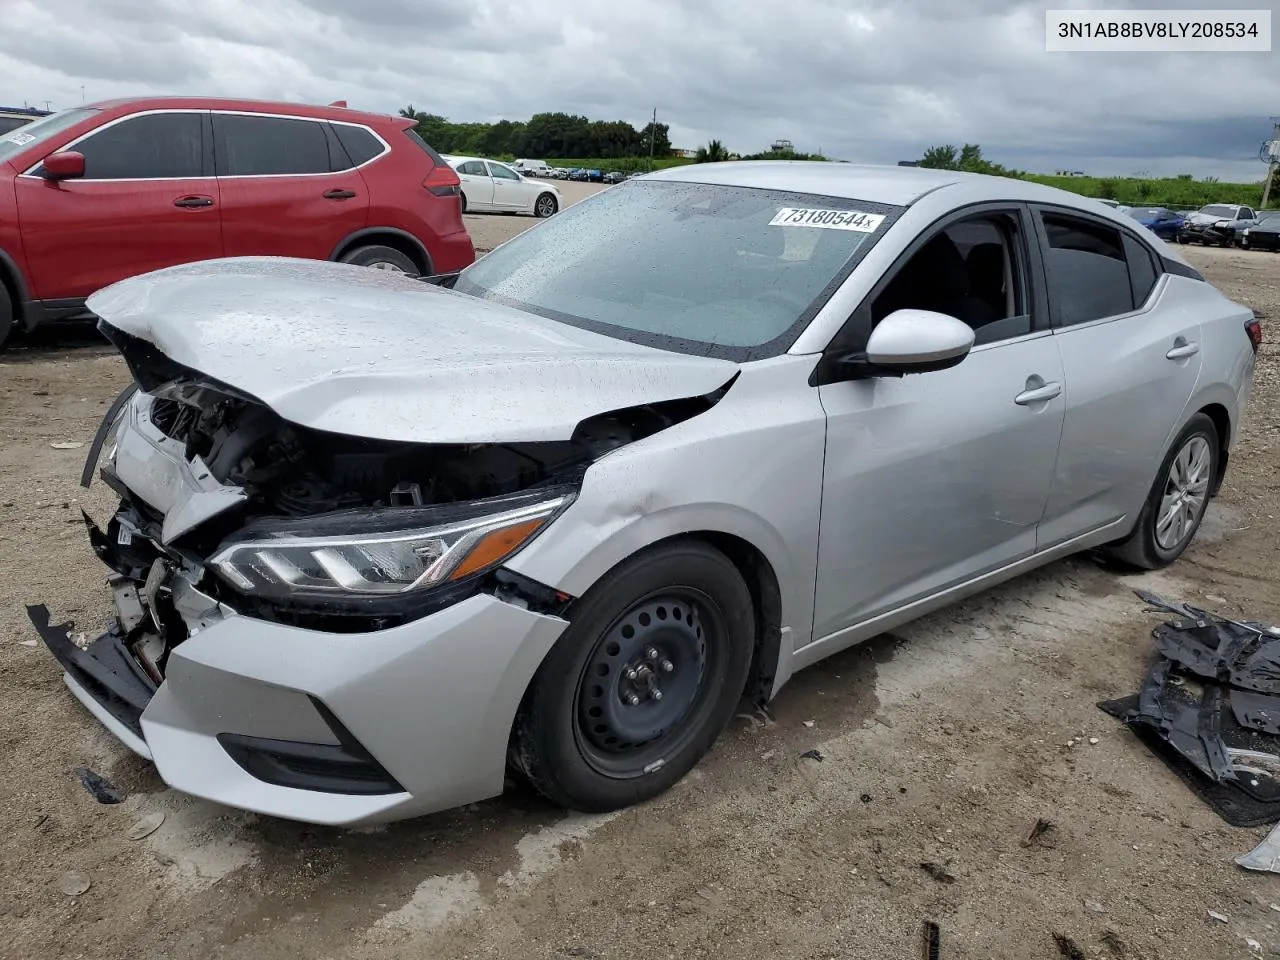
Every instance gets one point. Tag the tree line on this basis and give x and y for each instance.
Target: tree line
(543, 135)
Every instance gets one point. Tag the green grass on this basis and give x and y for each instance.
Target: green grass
(625, 164)
(1131, 191)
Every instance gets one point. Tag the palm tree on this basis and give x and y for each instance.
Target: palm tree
(713, 152)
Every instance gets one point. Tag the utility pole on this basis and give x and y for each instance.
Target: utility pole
(653, 135)
(1273, 160)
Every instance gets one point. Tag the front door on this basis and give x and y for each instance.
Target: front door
(934, 479)
(510, 193)
(288, 187)
(148, 199)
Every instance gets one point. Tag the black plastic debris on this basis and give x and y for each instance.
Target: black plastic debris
(930, 941)
(1212, 700)
(812, 755)
(98, 787)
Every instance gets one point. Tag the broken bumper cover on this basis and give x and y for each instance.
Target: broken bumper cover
(337, 729)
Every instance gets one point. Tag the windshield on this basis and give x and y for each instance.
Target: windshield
(733, 272)
(1219, 210)
(36, 131)
(1146, 213)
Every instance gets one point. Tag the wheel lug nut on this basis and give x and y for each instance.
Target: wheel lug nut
(631, 674)
(652, 653)
(655, 693)
(667, 666)
(633, 700)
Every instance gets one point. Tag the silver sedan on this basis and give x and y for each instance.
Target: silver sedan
(381, 542)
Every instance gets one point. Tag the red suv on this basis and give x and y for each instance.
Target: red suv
(95, 194)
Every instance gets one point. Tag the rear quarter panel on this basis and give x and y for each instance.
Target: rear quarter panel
(1226, 373)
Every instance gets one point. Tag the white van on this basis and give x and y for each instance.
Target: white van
(533, 168)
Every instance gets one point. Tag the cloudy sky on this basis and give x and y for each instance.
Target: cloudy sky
(863, 80)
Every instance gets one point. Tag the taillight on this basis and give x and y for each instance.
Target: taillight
(443, 182)
(1254, 329)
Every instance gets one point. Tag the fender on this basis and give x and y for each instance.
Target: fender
(417, 244)
(10, 266)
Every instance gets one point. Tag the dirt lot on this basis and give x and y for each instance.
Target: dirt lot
(943, 744)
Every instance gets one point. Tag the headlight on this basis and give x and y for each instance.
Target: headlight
(371, 553)
(1223, 223)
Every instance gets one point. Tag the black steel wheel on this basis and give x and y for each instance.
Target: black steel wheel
(642, 681)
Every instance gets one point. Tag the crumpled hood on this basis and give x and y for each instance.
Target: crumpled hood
(376, 354)
(1203, 218)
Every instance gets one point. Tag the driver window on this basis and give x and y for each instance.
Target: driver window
(973, 270)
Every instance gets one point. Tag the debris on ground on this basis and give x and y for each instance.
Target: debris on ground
(145, 826)
(938, 871)
(930, 941)
(1067, 947)
(99, 788)
(1093, 906)
(1042, 832)
(74, 883)
(812, 755)
(1265, 856)
(1212, 699)
(809, 723)
(67, 445)
(1220, 917)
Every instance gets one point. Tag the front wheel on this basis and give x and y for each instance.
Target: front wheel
(380, 258)
(641, 683)
(6, 316)
(545, 206)
(1177, 502)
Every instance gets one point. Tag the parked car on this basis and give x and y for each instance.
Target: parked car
(1214, 224)
(1161, 221)
(1264, 234)
(564, 515)
(1240, 229)
(532, 168)
(95, 194)
(614, 176)
(11, 118)
(492, 187)
(577, 173)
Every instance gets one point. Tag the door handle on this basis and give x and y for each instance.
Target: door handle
(1038, 395)
(1181, 350)
(337, 194)
(193, 202)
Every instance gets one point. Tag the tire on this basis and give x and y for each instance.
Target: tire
(545, 206)
(463, 197)
(6, 316)
(381, 258)
(684, 601)
(1147, 548)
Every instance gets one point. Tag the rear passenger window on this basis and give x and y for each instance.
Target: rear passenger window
(151, 147)
(1142, 269)
(263, 146)
(1088, 277)
(361, 145)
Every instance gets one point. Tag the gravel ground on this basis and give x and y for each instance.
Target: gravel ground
(490, 229)
(942, 744)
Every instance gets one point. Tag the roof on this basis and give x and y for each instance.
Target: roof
(319, 111)
(894, 185)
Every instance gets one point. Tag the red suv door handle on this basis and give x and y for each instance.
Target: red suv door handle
(193, 202)
(339, 194)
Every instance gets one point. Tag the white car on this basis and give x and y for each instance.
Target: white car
(492, 187)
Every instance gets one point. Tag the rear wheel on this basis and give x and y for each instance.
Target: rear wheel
(6, 316)
(1177, 501)
(463, 197)
(381, 258)
(641, 683)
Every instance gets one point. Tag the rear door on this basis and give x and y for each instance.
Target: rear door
(289, 187)
(510, 193)
(477, 185)
(1131, 359)
(148, 200)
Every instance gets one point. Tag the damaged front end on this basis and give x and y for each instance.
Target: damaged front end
(226, 509)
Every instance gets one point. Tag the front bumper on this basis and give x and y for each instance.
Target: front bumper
(338, 729)
(1190, 234)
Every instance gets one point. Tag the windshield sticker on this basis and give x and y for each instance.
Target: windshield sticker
(19, 138)
(827, 219)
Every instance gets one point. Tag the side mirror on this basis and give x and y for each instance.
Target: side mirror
(918, 341)
(65, 165)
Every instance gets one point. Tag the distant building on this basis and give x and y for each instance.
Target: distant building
(684, 154)
(782, 146)
(908, 163)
